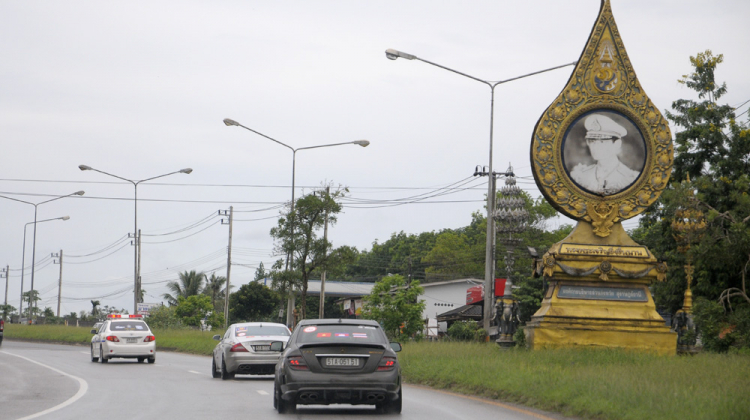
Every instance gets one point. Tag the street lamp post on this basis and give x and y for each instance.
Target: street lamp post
(363, 143)
(136, 238)
(489, 268)
(33, 252)
(23, 255)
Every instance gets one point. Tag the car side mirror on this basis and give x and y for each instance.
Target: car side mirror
(395, 346)
(93, 331)
(277, 346)
(217, 337)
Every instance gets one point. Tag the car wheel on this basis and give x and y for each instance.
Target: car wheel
(214, 373)
(224, 373)
(93, 358)
(391, 407)
(279, 404)
(152, 360)
(141, 359)
(102, 359)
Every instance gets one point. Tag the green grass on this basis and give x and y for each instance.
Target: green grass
(595, 384)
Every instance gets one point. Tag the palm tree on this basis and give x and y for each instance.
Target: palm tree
(94, 304)
(214, 288)
(189, 285)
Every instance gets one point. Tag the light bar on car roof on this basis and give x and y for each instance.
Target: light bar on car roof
(117, 316)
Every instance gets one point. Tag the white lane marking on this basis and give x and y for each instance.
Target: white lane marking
(197, 373)
(85, 352)
(261, 392)
(83, 387)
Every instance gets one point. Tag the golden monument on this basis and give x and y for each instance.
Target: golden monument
(601, 153)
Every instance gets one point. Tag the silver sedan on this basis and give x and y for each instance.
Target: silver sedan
(245, 349)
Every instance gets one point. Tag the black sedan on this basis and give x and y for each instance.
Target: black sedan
(338, 361)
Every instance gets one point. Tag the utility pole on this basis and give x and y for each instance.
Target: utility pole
(139, 295)
(7, 275)
(321, 312)
(59, 282)
(229, 261)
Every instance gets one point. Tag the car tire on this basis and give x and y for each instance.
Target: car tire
(214, 373)
(152, 360)
(93, 359)
(141, 359)
(279, 404)
(102, 358)
(391, 407)
(224, 373)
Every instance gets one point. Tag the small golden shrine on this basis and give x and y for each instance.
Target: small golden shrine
(601, 153)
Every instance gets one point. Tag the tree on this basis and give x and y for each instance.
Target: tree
(7, 310)
(298, 232)
(31, 297)
(261, 273)
(711, 167)
(254, 302)
(194, 308)
(395, 305)
(189, 284)
(94, 311)
(164, 316)
(215, 288)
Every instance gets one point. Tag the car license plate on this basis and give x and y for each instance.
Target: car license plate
(131, 340)
(342, 361)
(262, 348)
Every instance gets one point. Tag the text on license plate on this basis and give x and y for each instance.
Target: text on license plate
(131, 340)
(342, 361)
(262, 348)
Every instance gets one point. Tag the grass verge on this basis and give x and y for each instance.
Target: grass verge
(587, 383)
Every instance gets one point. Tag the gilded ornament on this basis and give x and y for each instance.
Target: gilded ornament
(664, 159)
(625, 209)
(639, 99)
(546, 133)
(644, 198)
(562, 195)
(557, 113)
(657, 180)
(572, 96)
(661, 271)
(545, 154)
(549, 265)
(652, 117)
(663, 136)
(602, 218)
(604, 268)
(550, 178)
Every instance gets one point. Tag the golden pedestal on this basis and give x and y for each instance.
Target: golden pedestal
(598, 295)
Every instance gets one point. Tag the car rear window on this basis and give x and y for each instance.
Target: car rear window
(128, 326)
(338, 333)
(255, 330)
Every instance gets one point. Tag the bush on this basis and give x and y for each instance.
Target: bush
(721, 331)
(467, 331)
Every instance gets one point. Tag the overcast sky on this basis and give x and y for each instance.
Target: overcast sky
(140, 88)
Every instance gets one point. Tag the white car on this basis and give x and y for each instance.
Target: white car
(123, 336)
(245, 349)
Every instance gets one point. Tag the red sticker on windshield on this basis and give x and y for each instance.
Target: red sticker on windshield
(310, 329)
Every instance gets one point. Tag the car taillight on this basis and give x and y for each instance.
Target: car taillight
(387, 363)
(2, 325)
(238, 347)
(149, 338)
(297, 363)
(113, 338)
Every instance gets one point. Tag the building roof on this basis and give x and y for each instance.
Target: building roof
(461, 314)
(472, 281)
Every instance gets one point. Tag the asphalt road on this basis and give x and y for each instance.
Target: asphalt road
(50, 381)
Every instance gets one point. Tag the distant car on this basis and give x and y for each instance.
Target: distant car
(2, 327)
(338, 361)
(123, 336)
(245, 349)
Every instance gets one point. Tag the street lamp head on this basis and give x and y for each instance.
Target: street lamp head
(84, 167)
(65, 218)
(363, 143)
(392, 54)
(229, 122)
(186, 170)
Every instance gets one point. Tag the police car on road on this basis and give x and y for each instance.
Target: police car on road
(123, 336)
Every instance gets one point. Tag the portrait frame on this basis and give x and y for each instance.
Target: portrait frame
(603, 81)
(575, 150)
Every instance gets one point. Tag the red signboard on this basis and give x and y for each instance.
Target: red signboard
(475, 294)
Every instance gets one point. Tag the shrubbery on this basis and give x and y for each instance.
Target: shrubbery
(722, 331)
(467, 331)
